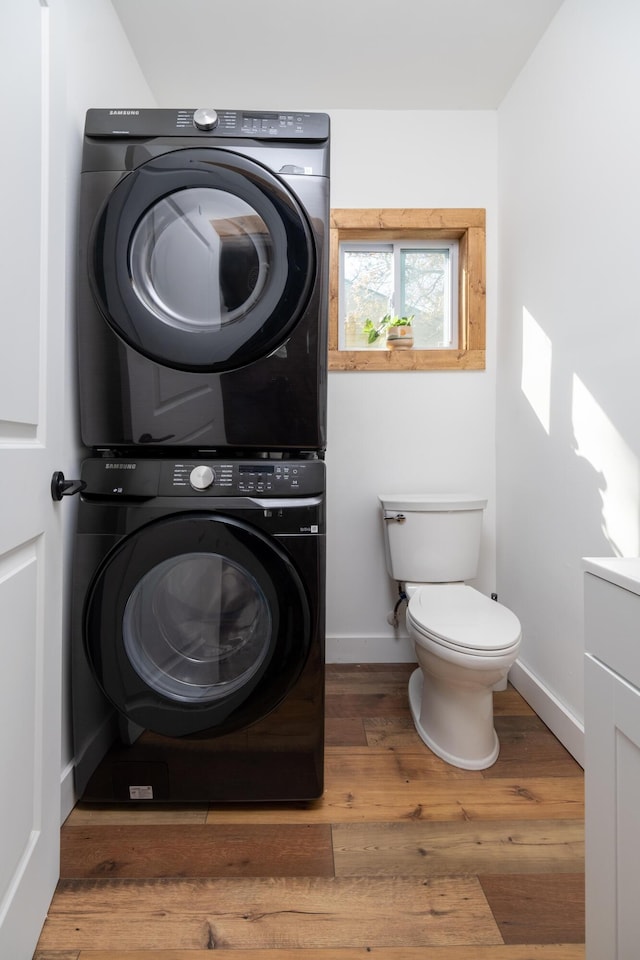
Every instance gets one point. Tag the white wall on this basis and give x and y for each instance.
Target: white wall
(568, 443)
(412, 431)
(101, 71)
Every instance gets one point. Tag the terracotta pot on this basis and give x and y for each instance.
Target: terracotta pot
(399, 338)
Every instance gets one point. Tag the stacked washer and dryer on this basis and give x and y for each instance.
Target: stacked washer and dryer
(199, 572)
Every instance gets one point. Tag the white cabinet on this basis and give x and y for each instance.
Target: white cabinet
(612, 758)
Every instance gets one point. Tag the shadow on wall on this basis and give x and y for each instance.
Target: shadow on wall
(599, 443)
(610, 483)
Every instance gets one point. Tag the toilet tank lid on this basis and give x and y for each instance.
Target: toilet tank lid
(419, 502)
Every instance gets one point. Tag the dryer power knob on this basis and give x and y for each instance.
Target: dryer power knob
(205, 118)
(201, 478)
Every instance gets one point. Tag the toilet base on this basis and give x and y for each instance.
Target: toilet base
(473, 734)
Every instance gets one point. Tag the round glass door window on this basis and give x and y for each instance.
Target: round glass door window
(200, 259)
(197, 627)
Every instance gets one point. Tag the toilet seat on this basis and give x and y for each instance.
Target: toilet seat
(460, 618)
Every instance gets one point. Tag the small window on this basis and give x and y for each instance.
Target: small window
(416, 280)
(426, 265)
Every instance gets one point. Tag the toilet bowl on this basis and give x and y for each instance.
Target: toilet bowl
(465, 643)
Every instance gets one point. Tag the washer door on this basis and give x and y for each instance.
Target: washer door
(202, 260)
(196, 622)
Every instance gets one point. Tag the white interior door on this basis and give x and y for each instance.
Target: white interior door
(31, 404)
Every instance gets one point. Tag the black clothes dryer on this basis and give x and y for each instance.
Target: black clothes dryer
(198, 630)
(203, 280)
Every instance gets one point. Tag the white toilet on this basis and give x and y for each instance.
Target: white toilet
(464, 642)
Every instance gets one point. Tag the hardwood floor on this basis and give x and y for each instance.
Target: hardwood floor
(404, 858)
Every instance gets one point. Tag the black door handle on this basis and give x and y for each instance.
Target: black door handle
(64, 488)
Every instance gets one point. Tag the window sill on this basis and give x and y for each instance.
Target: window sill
(406, 360)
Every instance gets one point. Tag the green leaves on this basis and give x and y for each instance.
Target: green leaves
(373, 331)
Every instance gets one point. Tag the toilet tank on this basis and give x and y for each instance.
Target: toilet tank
(432, 538)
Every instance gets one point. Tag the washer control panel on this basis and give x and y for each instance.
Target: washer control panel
(254, 477)
(138, 479)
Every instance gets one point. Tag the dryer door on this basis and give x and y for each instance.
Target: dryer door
(202, 260)
(196, 622)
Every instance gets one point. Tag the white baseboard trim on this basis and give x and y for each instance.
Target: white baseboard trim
(85, 762)
(564, 724)
(368, 649)
(67, 792)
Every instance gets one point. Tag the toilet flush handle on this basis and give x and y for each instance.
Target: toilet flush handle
(396, 517)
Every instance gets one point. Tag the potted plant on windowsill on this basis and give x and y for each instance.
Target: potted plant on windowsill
(399, 333)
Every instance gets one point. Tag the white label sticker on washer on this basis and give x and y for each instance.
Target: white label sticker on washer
(140, 793)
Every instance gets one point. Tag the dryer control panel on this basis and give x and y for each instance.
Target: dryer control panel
(198, 478)
(208, 122)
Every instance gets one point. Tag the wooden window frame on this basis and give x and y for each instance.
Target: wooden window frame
(467, 226)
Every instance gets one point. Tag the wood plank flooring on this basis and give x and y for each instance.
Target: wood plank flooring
(404, 858)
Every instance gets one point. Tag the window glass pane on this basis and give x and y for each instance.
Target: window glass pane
(424, 281)
(414, 279)
(367, 292)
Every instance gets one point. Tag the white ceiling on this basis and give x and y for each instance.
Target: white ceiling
(334, 54)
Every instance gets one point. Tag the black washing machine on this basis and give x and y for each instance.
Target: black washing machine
(198, 630)
(202, 280)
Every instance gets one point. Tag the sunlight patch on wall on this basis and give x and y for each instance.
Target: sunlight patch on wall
(536, 368)
(616, 467)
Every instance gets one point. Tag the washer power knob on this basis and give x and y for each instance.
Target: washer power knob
(205, 118)
(201, 478)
